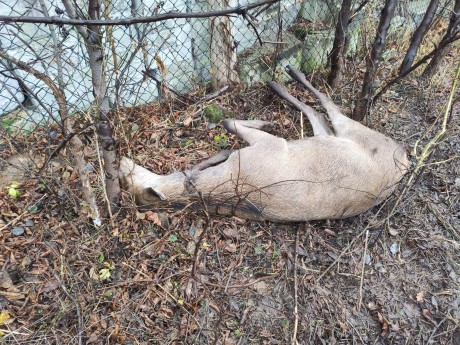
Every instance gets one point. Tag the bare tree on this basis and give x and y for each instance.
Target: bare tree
(418, 36)
(223, 48)
(92, 37)
(416, 65)
(452, 30)
(363, 101)
(337, 56)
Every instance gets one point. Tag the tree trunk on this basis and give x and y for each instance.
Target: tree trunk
(362, 103)
(418, 36)
(451, 31)
(93, 43)
(223, 49)
(338, 53)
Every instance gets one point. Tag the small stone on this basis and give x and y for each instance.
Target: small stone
(367, 259)
(29, 223)
(89, 167)
(394, 248)
(53, 134)
(17, 230)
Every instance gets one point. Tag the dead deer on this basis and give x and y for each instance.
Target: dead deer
(334, 174)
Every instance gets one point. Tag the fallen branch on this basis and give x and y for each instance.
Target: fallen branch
(237, 286)
(240, 10)
(360, 301)
(296, 311)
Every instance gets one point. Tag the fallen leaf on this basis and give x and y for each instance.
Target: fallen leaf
(231, 232)
(4, 318)
(330, 232)
(393, 232)
(230, 247)
(153, 217)
(420, 296)
(6, 282)
(104, 273)
(427, 314)
(188, 121)
(383, 321)
(261, 287)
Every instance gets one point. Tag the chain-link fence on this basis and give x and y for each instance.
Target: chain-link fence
(177, 53)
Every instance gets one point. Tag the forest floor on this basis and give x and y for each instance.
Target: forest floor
(352, 281)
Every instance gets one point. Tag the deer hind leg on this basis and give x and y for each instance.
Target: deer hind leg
(341, 123)
(251, 131)
(317, 120)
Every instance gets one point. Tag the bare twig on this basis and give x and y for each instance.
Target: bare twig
(61, 145)
(443, 221)
(240, 10)
(93, 37)
(214, 94)
(74, 300)
(151, 74)
(13, 221)
(336, 59)
(237, 286)
(366, 241)
(296, 311)
(200, 239)
(346, 249)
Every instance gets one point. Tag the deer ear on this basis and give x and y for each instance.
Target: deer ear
(154, 192)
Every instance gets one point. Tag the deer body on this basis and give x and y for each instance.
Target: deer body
(327, 176)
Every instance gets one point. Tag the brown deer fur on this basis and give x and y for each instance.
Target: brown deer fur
(334, 174)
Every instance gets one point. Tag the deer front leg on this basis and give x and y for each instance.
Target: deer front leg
(220, 157)
(251, 131)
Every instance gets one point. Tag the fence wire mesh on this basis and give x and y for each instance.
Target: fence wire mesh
(178, 53)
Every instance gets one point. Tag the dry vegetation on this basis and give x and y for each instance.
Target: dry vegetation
(142, 281)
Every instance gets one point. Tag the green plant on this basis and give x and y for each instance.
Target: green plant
(13, 189)
(213, 113)
(221, 140)
(258, 250)
(172, 238)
